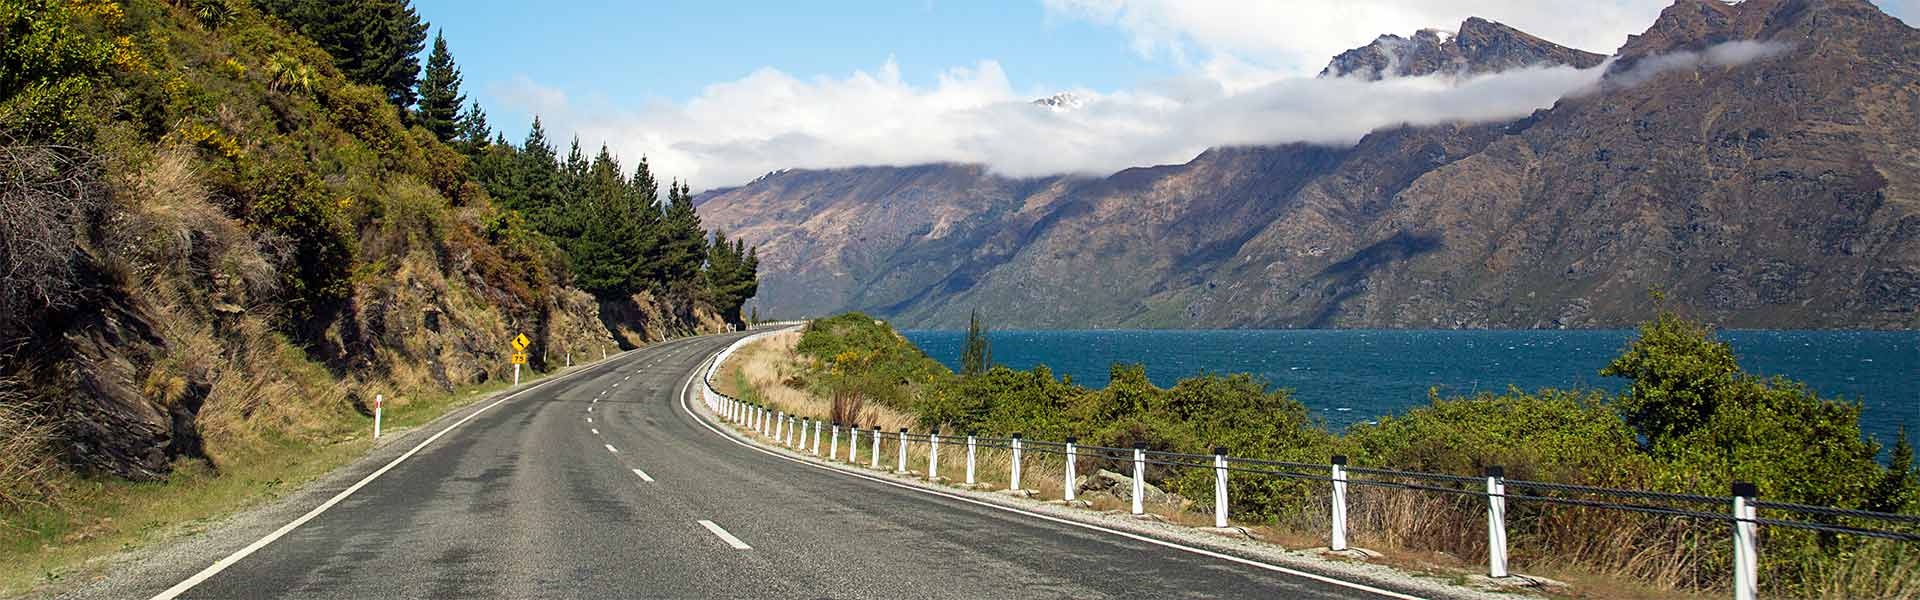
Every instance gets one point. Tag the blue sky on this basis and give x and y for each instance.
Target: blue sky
(721, 92)
(631, 53)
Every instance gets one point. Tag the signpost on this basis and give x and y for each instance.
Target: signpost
(520, 343)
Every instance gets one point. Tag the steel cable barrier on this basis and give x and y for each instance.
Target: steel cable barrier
(1740, 509)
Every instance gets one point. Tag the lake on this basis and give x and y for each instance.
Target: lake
(1352, 376)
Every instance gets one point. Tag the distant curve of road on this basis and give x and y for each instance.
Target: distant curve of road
(601, 485)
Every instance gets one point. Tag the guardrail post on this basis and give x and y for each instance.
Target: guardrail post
(900, 465)
(793, 423)
(1746, 555)
(1139, 477)
(779, 421)
(853, 443)
(1339, 541)
(1015, 484)
(833, 442)
(1496, 522)
(1220, 487)
(876, 446)
(933, 455)
(1073, 478)
(816, 437)
(970, 450)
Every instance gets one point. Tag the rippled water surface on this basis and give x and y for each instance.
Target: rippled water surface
(1351, 376)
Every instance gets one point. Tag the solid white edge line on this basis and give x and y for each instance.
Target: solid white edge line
(684, 405)
(222, 564)
(724, 536)
(643, 475)
(612, 449)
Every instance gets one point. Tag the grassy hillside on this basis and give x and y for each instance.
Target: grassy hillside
(219, 247)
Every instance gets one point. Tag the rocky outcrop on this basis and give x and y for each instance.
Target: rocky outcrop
(1480, 46)
(123, 417)
(1771, 182)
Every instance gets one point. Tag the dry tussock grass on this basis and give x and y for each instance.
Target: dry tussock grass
(26, 458)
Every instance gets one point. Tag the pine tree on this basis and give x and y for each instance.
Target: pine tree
(375, 42)
(1899, 490)
(475, 134)
(440, 98)
(978, 355)
(536, 181)
(683, 243)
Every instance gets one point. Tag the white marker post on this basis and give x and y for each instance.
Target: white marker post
(376, 415)
(816, 438)
(1339, 541)
(1139, 476)
(933, 456)
(1015, 483)
(900, 466)
(970, 451)
(853, 443)
(1220, 488)
(833, 442)
(1072, 477)
(1496, 522)
(876, 447)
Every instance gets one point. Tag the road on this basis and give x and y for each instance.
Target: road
(603, 485)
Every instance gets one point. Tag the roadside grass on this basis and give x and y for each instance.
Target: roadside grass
(96, 518)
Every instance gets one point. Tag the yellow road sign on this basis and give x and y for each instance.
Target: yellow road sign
(520, 343)
(519, 358)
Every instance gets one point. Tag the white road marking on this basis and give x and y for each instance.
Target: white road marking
(589, 419)
(643, 475)
(222, 564)
(596, 431)
(612, 449)
(687, 406)
(724, 536)
(589, 409)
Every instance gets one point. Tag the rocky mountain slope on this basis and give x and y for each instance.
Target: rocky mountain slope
(1480, 46)
(1754, 160)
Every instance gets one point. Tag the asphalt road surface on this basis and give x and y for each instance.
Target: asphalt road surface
(602, 485)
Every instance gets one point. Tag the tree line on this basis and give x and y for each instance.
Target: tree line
(619, 237)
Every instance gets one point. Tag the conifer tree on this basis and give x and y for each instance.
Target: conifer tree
(978, 355)
(683, 243)
(440, 98)
(536, 177)
(475, 135)
(375, 42)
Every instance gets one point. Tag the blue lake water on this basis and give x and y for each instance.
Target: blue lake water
(1351, 376)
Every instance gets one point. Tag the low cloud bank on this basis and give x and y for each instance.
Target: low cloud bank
(768, 121)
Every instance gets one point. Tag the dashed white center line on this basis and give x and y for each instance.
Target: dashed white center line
(724, 536)
(612, 449)
(589, 419)
(596, 431)
(643, 475)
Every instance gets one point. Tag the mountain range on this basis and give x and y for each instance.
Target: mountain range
(1753, 161)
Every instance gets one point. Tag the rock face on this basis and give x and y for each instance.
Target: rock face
(1480, 46)
(1755, 161)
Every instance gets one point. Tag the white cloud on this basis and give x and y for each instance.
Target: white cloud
(1720, 55)
(1298, 37)
(738, 130)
